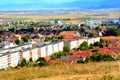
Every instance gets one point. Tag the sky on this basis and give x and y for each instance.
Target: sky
(25, 4)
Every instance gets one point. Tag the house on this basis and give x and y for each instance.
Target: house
(70, 35)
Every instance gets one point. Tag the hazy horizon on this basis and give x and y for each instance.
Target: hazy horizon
(36, 4)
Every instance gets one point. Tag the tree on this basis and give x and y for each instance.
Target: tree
(25, 39)
(17, 41)
(91, 35)
(42, 62)
(30, 60)
(23, 63)
(36, 36)
(101, 40)
(112, 32)
(99, 44)
(66, 49)
(61, 37)
(84, 46)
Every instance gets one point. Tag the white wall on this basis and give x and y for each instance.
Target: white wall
(14, 59)
(60, 46)
(73, 44)
(80, 41)
(49, 49)
(90, 41)
(35, 54)
(26, 55)
(3, 61)
(43, 51)
(55, 47)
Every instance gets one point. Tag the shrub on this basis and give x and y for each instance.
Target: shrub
(101, 57)
(42, 62)
(17, 41)
(66, 49)
(84, 46)
(95, 50)
(23, 63)
(80, 61)
(30, 60)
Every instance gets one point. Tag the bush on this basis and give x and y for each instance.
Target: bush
(17, 41)
(42, 62)
(81, 61)
(99, 44)
(58, 55)
(66, 49)
(30, 60)
(95, 50)
(101, 57)
(23, 63)
(84, 46)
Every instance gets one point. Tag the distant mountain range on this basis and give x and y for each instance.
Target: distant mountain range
(82, 4)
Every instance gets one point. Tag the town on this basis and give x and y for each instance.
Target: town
(55, 40)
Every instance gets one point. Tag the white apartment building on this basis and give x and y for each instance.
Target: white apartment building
(43, 51)
(35, 54)
(71, 44)
(49, 49)
(26, 54)
(13, 59)
(3, 61)
(60, 46)
(76, 43)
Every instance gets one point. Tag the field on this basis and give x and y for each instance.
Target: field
(62, 71)
(74, 17)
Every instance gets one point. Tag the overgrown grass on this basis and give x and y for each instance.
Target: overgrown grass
(62, 71)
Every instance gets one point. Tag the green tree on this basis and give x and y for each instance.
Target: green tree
(101, 40)
(17, 41)
(66, 49)
(36, 36)
(23, 63)
(42, 62)
(84, 46)
(61, 37)
(91, 35)
(25, 39)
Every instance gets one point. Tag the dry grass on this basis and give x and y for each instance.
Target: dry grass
(89, 71)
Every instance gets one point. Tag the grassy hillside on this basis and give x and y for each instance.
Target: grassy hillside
(62, 71)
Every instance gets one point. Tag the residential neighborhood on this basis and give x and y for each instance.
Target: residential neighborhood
(43, 42)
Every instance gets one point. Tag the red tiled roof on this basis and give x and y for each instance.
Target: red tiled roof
(47, 58)
(69, 35)
(82, 54)
(106, 51)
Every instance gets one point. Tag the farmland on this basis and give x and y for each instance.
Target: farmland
(73, 17)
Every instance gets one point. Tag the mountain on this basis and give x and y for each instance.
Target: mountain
(81, 4)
